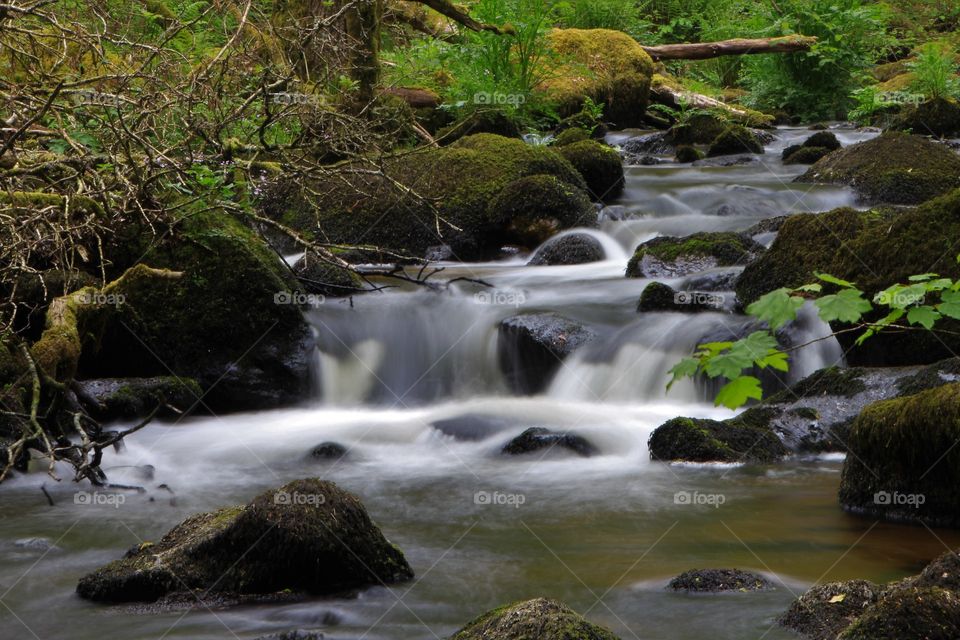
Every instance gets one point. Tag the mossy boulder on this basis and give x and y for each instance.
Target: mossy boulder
(532, 209)
(742, 439)
(450, 197)
(124, 398)
(600, 166)
(488, 120)
(570, 136)
(893, 168)
(806, 155)
(719, 580)
(903, 463)
(699, 128)
(669, 256)
(939, 117)
(608, 67)
(538, 619)
(219, 323)
(827, 609)
(823, 140)
(734, 139)
(687, 153)
(929, 613)
(570, 248)
(658, 296)
(308, 536)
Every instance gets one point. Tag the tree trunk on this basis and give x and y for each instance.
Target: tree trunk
(736, 47)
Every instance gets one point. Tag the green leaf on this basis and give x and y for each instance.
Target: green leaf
(775, 359)
(810, 288)
(925, 316)
(729, 365)
(950, 304)
(826, 277)
(923, 277)
(735, 393)
(848, 306)
(776, 308)
(686, 368)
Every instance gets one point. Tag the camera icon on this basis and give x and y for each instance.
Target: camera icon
(82, 497)
(683, 497)
(282, 498)
(482, 498)
(482, 97)
(882, 498)
(681, 297)
(283, 297)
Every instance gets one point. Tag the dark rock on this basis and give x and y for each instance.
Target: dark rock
(893, 168)
(110, 399)
(733, 140)
(767, 225)
(823, 140)
(296, 634)
(287, 539)
(570, 136)
(818, 127)
(532, 209)
(657, 296)
(741, 439)
(688, 153)
(939, 117)
(701, 128)
(806, 155)
(719, 580)
(943, 572)
(536, 439)
(666, 256)
(471, 426)
(827, 609)
(571, 248)
(329, 451)
(538, 619)
(647, 144)
(930, 614)
(718, 280)
(531, 347)
(600, 166)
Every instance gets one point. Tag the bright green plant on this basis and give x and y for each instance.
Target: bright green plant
(917, 305)
(935, 71)
(622, 15)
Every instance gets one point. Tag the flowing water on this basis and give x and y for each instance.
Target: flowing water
(409, 381)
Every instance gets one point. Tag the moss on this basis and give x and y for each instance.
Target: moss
(842, 382)
(884, 72)
(600, 166)
(747, 438)
(895, 168)
(538, 619)
(289, 538)
(823, 139)
(687, 153)
(570, 136)
(495, 121)
(899, 82)
(534, 208)
(806, 155)
(701, 128)
(935, 375)
(36, 200)
(722, 249)
(453, 187)
(719, 580)
(905, 447)
(928, 613)
(940, 117)
(827, 609)
(735, 139)
(608, 67)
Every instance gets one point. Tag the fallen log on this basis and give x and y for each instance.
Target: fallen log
(735, 47)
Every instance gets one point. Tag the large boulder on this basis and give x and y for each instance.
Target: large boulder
(903, 463)
(894, 168)
(538, 619)
(608, 67)
(599, 165)
(308, 536)
(124, 398)
(735, 139)
(827, 609)
(531, 348)
(939, 117)
(667, 257)
(746, 438)
(568, 249)
(930, 614)
(474, 195)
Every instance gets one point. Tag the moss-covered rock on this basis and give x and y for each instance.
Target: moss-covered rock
(452, 190)
(904, 464)
(608, 67)
(824, 140)
(658, 296)
(719, 580)
(894, 168)
(599, 165)
(125, 398)
(687, 153)
(570, 248)
(570, 136)
(939, 117)
(827, 609)
(538, 619)
(734, 139)
(308, 536)
(700, 128)
(744, 439)
(487, 120)
(806, 155)
(668, 256)
(930, 614)
(532, 209)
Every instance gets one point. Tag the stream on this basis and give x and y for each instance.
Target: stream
(603, 534)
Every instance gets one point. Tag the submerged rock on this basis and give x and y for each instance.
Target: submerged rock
(531, 347)
(538, 619)
(572, 248)
(894, 168)
(309, 535)
(329, 451)
(668, 256)
(296, 634)
(471, 426)
(719, 580)
(741, 439)
(827, 609)
(657, 296)
(537, 439)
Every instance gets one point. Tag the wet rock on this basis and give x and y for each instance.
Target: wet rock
(570, 136)
(599, 165)
(939, 118)
(943, 572)
(531, 347)
(687, 154)
(894, 168)
(322, 278)
(823, 140)
(532, 209)
(110, 399)
(806, 155)
(827, 609)
(572, 248)
(471, 427)
(296, 634)
(538, 619)
(745, 438)
(538, 439)
(717, 280)
(647, 144)
(735, 139)
(930, 613)
(40, 545)
(701, 128)
(667, 257)
(657, 296)
(903, 463)
(719, 580)
(329, 451)
(765, 226)
(291, 539)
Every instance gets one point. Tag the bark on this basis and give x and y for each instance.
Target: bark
(736, 47)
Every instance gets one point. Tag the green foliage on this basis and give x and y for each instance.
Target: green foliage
(622, 15)
(935, 72)
(916, 305)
